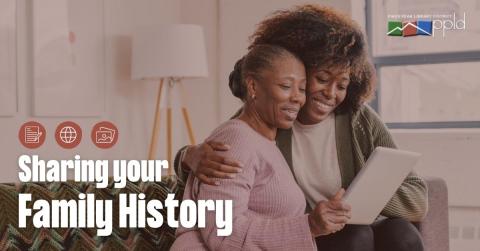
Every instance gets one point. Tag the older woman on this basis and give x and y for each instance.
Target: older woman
(268, 206)
(335, 131)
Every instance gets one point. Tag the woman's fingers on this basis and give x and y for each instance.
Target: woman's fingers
(339, 213)
(225, 164)
(339, 195)
(224, 168)
(204, 179)
(326, 220)
(232, 162)
(335, 216)
(213, 173)
(338, 205)
(215, 170)
(218, 146)
(346, 207)
(332, 227)
(338, 219)
(336, 223)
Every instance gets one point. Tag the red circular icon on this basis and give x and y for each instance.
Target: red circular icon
(32, 134)
(68, 134)
(104, 134)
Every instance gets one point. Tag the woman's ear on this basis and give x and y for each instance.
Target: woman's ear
(251, 87)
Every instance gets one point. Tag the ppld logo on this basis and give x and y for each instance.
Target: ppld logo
(425, 27)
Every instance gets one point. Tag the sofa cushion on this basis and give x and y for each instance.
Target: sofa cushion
(30, 238)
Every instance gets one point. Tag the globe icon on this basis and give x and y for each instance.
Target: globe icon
(68, 134)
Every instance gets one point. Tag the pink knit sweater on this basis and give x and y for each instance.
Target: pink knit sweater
(268, 206)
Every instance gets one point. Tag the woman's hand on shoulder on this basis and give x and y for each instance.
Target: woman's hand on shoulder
(329, 216)
(206, 163)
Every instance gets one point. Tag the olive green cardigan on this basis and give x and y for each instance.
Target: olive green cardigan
(357, 135)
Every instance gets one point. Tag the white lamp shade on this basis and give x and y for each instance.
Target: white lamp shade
(176, 50)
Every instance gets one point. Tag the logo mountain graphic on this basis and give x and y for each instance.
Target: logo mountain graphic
(414, 28)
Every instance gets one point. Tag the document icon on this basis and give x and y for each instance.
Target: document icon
(32, 134)
(104, 135)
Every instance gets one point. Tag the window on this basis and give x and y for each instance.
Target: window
(426, 81)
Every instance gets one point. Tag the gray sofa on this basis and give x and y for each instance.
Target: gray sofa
(434, 228)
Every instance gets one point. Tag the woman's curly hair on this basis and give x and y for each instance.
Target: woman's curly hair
(320, 37)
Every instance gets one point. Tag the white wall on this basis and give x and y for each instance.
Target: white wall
(129, 104)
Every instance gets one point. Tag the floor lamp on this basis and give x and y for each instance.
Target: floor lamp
(167, 54)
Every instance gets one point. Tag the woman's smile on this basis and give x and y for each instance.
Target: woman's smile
(320, 103)
(290, 112)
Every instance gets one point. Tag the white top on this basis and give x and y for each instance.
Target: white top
(315, 161)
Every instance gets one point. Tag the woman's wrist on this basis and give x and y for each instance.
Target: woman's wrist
(184, 161)
(313, 226)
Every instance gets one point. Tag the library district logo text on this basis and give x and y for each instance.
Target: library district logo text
(424, 25)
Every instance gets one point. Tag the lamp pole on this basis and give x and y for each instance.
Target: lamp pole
(156, 122)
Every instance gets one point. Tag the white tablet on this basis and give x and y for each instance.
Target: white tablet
(377, 182)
